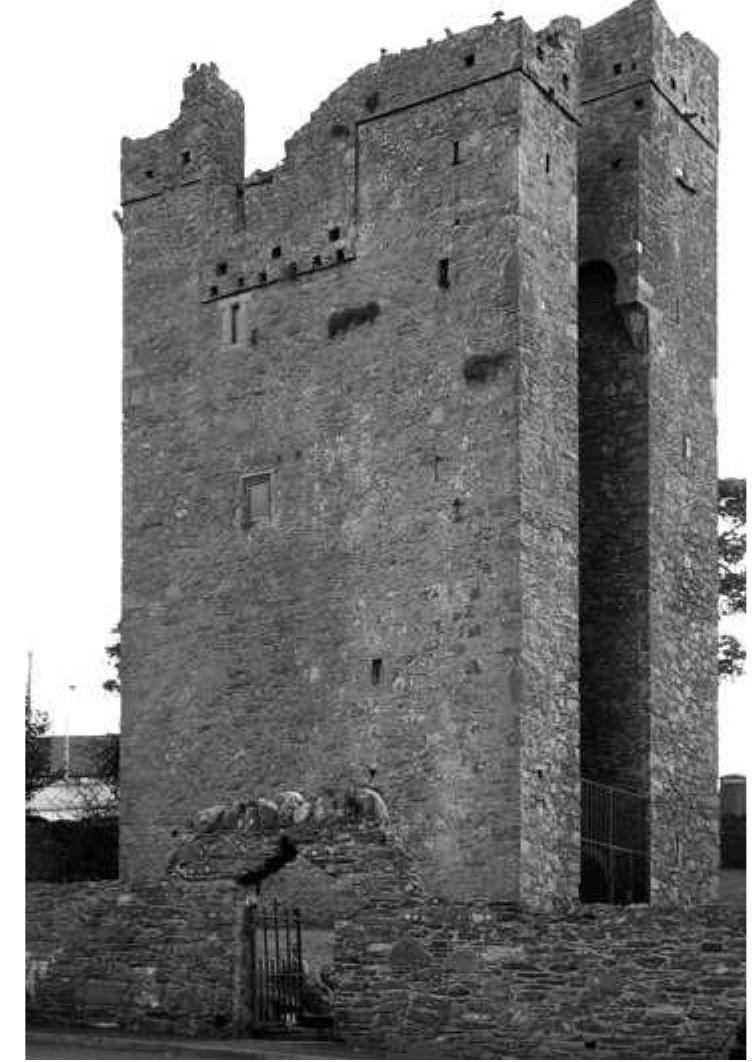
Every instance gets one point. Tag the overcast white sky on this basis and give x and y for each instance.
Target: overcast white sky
(77, 76)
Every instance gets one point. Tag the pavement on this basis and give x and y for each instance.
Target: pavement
(86, 1043)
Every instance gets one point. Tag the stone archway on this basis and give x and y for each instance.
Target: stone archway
(341, 834)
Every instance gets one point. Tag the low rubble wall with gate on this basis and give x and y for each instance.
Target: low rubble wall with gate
(176, 955)
(408, 971)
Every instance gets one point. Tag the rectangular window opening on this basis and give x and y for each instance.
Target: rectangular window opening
(456, 152)
(443, 273)
(234, 311)
(376, 671)
(185, 157)
(334, 234)
(276, 251)
(221, 269)
(469, 59)
(547, 163)
(340, 255)
(617, 68)
(257, 498)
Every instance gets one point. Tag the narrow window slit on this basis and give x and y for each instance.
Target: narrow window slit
(376, 671)
(443, 273)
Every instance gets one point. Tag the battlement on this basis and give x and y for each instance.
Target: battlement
(636, 47)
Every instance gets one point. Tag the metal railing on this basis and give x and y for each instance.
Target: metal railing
(614, 844)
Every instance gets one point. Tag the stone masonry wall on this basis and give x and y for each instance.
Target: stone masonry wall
(648, 163)
(678, 178)
(173, 955)
(157, 958)
(384, 329)
(409, 971)
(548, 483)
(356, 331)
(465, 981)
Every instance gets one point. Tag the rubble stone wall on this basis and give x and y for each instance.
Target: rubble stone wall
(465, 981)
(158, 958)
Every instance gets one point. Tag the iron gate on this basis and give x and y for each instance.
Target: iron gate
(614, 857)
(277, 969)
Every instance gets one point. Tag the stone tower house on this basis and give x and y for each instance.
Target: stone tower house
(419, 450)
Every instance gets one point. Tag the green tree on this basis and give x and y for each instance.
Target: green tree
(731, 554)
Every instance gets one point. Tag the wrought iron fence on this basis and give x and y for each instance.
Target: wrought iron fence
(614, 848)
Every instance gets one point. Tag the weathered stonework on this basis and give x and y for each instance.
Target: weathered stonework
(648, 204)
(409, 971)
(383, 333)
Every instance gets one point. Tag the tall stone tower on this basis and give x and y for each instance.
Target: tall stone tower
(647, 327)
(369, 411)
